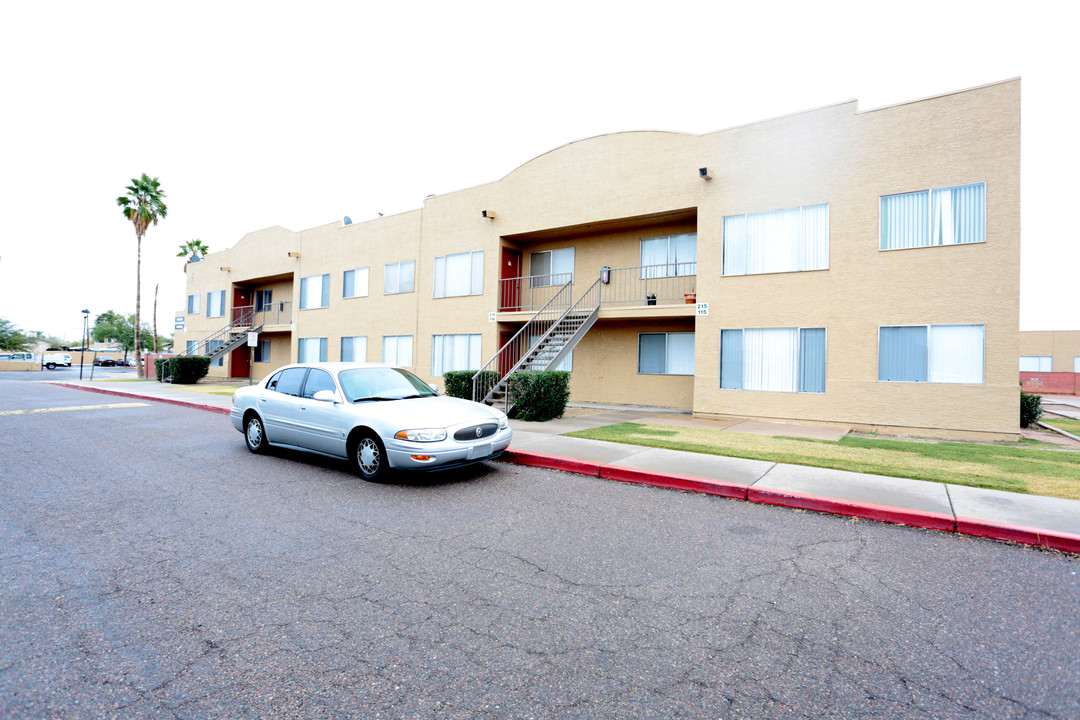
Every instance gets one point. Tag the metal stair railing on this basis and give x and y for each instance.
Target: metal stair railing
(554, 339)
(243, 318)
(510, 354)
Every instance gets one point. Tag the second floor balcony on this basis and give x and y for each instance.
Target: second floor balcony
(639, 287)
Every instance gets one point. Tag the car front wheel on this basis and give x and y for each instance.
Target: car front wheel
(255, 434)
(368, 457)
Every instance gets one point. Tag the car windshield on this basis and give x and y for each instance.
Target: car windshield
(382, 383)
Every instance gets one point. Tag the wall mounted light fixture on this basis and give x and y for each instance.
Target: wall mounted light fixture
(225, 268)
(294, 254)
(489, 214)
(704, 173)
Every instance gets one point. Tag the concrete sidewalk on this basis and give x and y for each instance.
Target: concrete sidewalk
(1030, 519)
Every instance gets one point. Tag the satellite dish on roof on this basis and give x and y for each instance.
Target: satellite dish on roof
(346, 220)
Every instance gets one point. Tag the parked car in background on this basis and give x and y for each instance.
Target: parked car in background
(105, 361)
(377, 416)
(54, 360)
(16, 356)
(126, 362)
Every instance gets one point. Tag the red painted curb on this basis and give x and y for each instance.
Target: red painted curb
(551, 462)
(1066, 542)
(170, 401)
(851, 508)
(674, 482)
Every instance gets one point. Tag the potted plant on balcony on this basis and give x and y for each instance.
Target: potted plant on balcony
(650, 299)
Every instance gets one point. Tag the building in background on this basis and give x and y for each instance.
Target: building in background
(830, 266)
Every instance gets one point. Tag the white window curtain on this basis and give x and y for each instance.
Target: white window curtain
(354, 349)
(314, 291)
(770, 359)
(397, 350)
(454, 352)
(311, 350)
(215, 303)
(787, 240)
(669, 256)
(955, 354)
(1036, 363)
(193, 304)
(958, 215)
(459, 274)
(680, 354)
(355, 283)
(551, 267)
(904, 220)
(399, 277)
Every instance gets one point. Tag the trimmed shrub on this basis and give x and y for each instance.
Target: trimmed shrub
(539, 396)
(458, 383)
(188, 369)
(1030, 409)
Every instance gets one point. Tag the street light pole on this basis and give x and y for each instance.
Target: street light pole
(86, 335)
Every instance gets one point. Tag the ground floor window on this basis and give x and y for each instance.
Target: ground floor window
(354, 349)
(666, 353)
(773, 359)
(311, 350)
(192, 347)
(454, 352)
(211, 346)
(931, 353)
(1036, 363)
(397, 350)
(262, 351)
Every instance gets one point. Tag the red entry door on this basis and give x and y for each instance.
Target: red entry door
(240, 362)
(509, 285)
(508, 359)
(241, 303)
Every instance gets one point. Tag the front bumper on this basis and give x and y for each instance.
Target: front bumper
(445, 454)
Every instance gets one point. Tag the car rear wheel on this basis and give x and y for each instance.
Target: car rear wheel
(368, 457)
(255, 434)
(50, 366)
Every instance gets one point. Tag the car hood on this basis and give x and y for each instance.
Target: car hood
(428, 412)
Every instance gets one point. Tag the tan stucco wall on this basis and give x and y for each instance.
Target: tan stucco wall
(1061, 345)
(603, 195)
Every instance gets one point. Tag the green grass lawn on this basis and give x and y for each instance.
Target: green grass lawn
(1018, 467)
(1069, 426)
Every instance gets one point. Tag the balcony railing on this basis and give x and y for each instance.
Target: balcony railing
(274, 313)
(532, 292)
(667, 284)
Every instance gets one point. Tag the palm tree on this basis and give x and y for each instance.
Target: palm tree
(196, 248)
(143, 205)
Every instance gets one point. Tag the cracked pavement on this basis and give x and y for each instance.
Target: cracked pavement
(152, 567)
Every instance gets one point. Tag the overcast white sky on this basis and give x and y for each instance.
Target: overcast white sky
(295, 114)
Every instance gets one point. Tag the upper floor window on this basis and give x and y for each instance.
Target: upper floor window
(315, 291)
(551, 267)
(355, 283)
(1036, 363)
(669, 256)
(215, 303)
(788, 240)
(193, 304)
(942, 216)
(931, 353)
(398, 277)
(773, 359)
(666, 353)
(459, 274)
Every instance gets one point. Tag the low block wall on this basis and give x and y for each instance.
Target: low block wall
(1051, 383)
(20, 365)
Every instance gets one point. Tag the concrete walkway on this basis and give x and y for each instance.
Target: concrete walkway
(1030, 519)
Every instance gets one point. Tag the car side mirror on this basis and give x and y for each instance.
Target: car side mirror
(325, 396)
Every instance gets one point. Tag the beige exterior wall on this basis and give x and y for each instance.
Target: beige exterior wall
(603, 195)
(1061, 345)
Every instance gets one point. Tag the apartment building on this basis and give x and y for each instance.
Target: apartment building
(830, 266)
(1050, 361)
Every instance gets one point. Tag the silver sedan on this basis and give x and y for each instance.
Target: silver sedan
(377, 416)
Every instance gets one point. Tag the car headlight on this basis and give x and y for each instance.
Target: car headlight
(422, 435)
(503, 422)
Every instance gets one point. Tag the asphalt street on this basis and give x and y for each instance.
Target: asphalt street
(152, 567)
